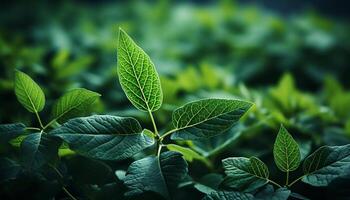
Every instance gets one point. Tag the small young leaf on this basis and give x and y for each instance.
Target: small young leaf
(104, 137)
(326, 164)
(157, 174)
(137, 75)
(206, 118)
(245, 174)
(28, 93)
(38, 149)
(286, 151)
(10, 131)
(228, 195)
(188, 153)
(73, 104)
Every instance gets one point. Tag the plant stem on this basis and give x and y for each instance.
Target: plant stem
(168, 133)
(63, 187)
(33, 128)
(49, 124)
(287, 177)
(296, 180)
(154, 123)
(273, 182)
(159, 149)
(38, 117)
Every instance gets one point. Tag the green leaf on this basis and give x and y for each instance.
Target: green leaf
(207, 118)
(326, 164)
(105, 137)
(28, 93)
(286, 151)
(73, 104)
(245, 174)
(228, 195)
(188, 153)
(137, 75)
(156, 174)
(38, 149)
(10, 131)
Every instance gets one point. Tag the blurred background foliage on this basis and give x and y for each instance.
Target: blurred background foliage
(293, 64)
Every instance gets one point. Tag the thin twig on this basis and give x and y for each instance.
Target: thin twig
(33, 128)
(273, 182)
(296, 180)
(38, 117)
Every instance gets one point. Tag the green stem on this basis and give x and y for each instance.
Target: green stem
(273, 182)
(154, 123)
(38, 117)
(159, 149)
(296, 180)
(168, 133)
(287, 177)
(49, 124)
(33, 128)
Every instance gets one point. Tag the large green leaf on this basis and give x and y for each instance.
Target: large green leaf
(228, 195)
(326, 164)
(286, 151)
(137, 75)
(104, 136)
(156, 174)
(10, 131)
(206, 118)
(38, 149)
(73, 104)
(245, 174)
(28, 93)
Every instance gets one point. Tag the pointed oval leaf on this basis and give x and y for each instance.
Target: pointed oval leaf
(73, 104)
(10, 131)
(156, 174)
(188, 153)
(326, 164)
(38, 149)
(137, 75)
(286, 151)
(28, 93)
(245, 174)
(206, 118)
(104, 137)
(228, 195)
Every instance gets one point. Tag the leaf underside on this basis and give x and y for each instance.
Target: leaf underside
(326, 164)
(228, 195)
(207, 118)
(28, 93)
(156, 174)
(104, 137)
(286, 151)
(245, 174)
(137, 75)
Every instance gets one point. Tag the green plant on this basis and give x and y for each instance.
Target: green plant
(47, 149)
(249, 174)
(108, 137)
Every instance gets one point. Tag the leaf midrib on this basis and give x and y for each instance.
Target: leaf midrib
(137, 79)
